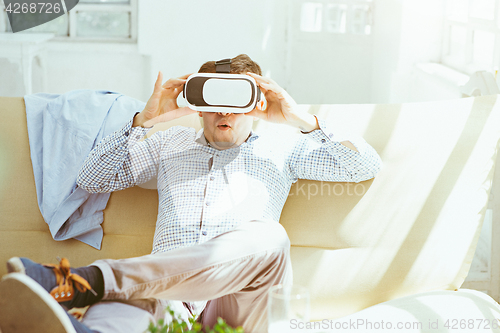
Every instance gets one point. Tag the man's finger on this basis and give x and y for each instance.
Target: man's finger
(267, 86)
(174, 83)
(158, 81)
(255, 76)
(260, 79)
(266, 83)
(257, 113)
(185, 76)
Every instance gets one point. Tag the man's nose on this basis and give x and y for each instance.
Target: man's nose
(224, 114)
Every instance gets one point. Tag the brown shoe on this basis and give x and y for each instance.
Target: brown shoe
(56, 279)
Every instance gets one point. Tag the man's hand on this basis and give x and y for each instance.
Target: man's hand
(162, 105)
(281, 108)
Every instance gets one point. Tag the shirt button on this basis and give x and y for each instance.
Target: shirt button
(212, 177)
(204, 233)
(207, 203)
(323, 140)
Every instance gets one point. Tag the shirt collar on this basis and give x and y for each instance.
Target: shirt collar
(200, 138)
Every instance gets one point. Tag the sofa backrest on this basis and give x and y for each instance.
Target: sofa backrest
(413, 228)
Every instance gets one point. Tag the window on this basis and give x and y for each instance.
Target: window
(336, 17)
(311, 17)
(472, 30)
(90, 20)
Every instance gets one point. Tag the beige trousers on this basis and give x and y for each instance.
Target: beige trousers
(234, 271)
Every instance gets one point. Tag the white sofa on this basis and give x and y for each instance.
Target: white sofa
(394, 249)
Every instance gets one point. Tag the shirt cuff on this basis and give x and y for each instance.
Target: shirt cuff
(131, 134)
(137, 133)
(323, 134)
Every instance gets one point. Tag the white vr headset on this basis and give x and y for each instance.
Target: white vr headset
(221, 91)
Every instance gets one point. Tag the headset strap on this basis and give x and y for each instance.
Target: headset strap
(223, 66)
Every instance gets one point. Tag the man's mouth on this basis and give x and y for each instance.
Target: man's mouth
(223, 126)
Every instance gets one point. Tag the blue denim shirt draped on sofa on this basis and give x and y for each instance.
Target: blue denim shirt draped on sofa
(62, 131)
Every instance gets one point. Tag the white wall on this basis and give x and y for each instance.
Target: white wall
(182, 35)
(327, 67)
(117, 68)
(71, 66)
(406, 32)
(387, 40)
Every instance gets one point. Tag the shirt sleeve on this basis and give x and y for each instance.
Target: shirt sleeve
(120, 161)
(319, 155)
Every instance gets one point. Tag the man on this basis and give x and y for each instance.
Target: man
(221, 192)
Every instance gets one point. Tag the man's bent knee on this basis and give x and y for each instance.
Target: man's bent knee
(269, 232)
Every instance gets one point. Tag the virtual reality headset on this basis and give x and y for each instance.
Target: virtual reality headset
(221, 92)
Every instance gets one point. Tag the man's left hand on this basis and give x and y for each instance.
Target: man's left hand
(281, 108)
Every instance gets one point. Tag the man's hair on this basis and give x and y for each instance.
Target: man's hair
(239, 65)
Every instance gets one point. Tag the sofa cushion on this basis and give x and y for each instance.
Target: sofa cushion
(436, 311)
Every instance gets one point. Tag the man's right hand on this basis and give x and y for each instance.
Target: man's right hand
(162, 105)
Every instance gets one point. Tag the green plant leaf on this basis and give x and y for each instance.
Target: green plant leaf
(178, 325)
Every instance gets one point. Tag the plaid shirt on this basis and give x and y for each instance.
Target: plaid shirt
(204, 192)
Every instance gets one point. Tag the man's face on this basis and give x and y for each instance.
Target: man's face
(226, 130)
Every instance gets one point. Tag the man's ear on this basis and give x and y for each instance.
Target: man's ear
(262, 104)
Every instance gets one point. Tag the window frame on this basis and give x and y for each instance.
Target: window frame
(473, 23)
(325, 32)
(131, 7)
